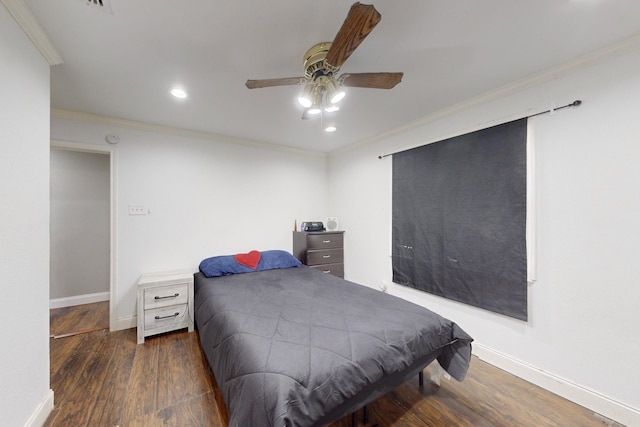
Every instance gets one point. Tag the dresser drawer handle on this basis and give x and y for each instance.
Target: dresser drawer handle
(326, 256)
(168, 296)
(326, 241)
(326, 271)
(167, 317)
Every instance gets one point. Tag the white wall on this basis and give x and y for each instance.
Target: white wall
(206, 197)
(582, 338)
(80, 214)
(24, 228)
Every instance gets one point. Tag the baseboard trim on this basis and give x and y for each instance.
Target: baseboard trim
(126, 323)
(42, 412)
(583, 396)
(79, 300)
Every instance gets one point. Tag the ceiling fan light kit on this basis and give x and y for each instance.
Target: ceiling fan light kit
(323, 93)
(335, 93)
(322, 89)
(306, 96)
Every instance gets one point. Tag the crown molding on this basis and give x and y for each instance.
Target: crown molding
(614, 50)
(30, 25)
(59, 113)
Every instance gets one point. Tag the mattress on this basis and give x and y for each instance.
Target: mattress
(296, 347)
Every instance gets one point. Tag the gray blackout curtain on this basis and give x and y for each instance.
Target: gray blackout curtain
(459, 218)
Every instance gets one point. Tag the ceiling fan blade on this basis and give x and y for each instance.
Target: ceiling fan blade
(360, 21)
(371, 80)
(285, 81)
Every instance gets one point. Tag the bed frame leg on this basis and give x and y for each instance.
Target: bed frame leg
(421, 378)
(365, 414)
(354, 419)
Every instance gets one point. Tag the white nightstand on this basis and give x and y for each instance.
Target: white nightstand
(165, 302)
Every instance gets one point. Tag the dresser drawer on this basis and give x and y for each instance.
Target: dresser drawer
(324, 241)
(163, 296)
(335, 269)
(165, 316)
(327, 256)
(323, 250)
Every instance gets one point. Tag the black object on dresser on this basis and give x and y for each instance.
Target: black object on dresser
(322, 250)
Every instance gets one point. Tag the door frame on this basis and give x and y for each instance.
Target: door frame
(111, 152)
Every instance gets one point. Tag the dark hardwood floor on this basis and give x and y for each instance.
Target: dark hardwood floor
(103, 378)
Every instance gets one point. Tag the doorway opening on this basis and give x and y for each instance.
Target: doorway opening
(82, 226)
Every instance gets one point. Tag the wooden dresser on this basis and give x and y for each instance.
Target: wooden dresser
(322, 250)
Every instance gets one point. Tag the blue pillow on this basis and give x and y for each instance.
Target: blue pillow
(225, 265)
(277, 259)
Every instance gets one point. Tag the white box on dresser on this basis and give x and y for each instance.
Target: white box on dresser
(165, 302)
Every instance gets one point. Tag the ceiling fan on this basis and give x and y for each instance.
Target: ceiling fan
(322, 87)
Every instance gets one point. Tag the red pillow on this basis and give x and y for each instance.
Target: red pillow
(250, 259)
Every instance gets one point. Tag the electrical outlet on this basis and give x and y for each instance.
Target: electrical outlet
(137, 210)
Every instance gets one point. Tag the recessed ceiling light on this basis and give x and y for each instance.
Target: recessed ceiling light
(178, 93)
(330, 129)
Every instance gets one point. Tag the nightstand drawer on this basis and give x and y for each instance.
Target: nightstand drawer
(324, 241)
(163, 296)
(165, 316)
(328, 256)
(165, 302)
(335, 269)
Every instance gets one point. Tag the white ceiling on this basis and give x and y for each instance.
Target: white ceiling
(123, 64)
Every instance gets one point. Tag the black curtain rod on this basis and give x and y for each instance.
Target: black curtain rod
(573, 104)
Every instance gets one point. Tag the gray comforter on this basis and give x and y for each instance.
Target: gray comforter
(296, 347)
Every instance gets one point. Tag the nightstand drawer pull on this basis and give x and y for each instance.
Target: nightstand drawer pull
(168, 296)
(326, 241)
(326, 271)
(171, 316)
(326, 256)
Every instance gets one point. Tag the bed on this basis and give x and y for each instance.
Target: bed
(292, 346)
